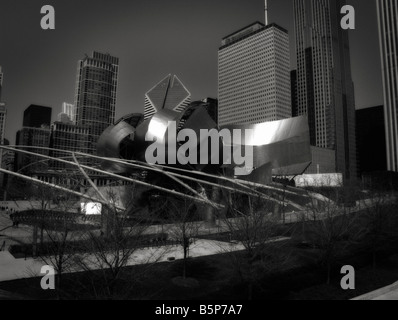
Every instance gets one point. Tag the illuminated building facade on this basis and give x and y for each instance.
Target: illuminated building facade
(254, 75)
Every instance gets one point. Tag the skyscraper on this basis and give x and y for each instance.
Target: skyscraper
(32, 137)
(1, 82)
(7, 163)
(95, 96)
(254, 75)
(170, 93)
(3, 117)
(293, 86)
(35, 133)
(4, 154)
(3, 112)
(68, 137)
(325, 90)
(387, 12)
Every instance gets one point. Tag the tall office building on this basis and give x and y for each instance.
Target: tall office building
(293, 89)
(32, 137)
(7, 163)
(68, 137)
(35, 133)
(4, 154)
(170, 93)
(37, 116)
(95, 96)
(387, 13)
(254, 75)
(323, 160)
(3, 118)
(1, 82)
(325, 91)
(3, 113)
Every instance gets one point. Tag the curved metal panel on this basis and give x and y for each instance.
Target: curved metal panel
(285, 144)
(278, 147)
(110, 142)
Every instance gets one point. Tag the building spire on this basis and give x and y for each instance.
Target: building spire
(266, 12)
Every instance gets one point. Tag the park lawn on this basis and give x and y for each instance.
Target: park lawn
(299, 279)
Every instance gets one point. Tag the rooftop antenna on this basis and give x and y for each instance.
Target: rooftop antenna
(266, 12)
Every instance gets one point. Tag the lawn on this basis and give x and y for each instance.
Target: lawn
(297, 279)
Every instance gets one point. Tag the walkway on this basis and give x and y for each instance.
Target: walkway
(386, 293)
(12, 268)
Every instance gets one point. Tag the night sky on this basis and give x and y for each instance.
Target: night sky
(152, 38)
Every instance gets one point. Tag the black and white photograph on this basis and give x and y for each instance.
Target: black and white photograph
(198, 155)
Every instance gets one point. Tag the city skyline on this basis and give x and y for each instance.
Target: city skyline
(201, 150)
(145, 53)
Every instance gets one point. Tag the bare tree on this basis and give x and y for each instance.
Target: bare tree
(187, 222)
(55, 214)
(380, 220)
(331, 228)
(122, 242)
(63, 232)
(252, 222)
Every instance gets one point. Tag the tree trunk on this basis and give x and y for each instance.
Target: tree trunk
(328, 274)
(251, 280)
(34, 243)
(59, 280)
(374, 259)
(184, 270)
(283, 204)
(210, 212)
(41, 238)
(250, 291)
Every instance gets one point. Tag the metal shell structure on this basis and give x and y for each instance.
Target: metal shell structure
(278, 148)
